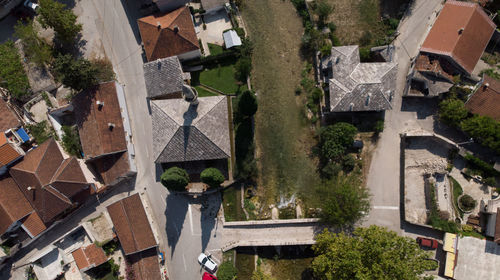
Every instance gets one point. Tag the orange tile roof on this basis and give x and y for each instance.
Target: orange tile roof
(7, 154)
(145, 265)
(132, 225)
(7, 118)
(3, 138)
(464, 47)
(13, 204)
(486, 100)
(89, 257)
(34, 224)
(160, 38)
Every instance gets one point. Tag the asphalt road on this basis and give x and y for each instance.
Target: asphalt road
(384, 177)
(185, 228)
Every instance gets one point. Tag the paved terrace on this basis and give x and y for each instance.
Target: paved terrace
(270, 233)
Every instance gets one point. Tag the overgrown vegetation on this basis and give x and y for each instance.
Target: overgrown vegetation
(457, 191)
(437, 219)
(226, 271)
(41, 131)
(71, 141)
(476, 166)
(35, 49)
(314, 94)
(12, 75)
(54, 15)
(175, 178)
(243, 112)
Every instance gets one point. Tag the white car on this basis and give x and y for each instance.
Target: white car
(207, 263)
(32, 6)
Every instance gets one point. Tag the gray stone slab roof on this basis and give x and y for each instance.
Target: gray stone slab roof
(163, 77)
(356, 86)
(185, 132)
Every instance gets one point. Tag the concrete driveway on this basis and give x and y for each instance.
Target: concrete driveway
(216, 23)
(186, 230)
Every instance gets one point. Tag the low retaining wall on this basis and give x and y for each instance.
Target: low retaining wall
(271, 222)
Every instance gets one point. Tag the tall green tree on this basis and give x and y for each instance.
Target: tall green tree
(77, 74)
(175, 178)
(335, 139)
(452, 111)
(484, 129)
(370, 253)
(12, 74)
(247, 103)
(55, 15)
(344, 201)
(35, 49)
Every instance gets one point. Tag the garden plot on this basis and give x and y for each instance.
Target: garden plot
(425, 166)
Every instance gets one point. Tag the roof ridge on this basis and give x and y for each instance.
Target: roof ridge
(65, 162)
(44, 153)
(50, 187)
(166, 145)
(128, 223)
(466, 24)
(212, 142)
(199, 118)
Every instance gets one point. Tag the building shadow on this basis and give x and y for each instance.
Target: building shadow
(424, 107)
(210, 206)
(132, 9)
(175, 213)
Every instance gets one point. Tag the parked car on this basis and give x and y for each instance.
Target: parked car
(427, 242)
(31, 6)
(208, 276)
(207, 263)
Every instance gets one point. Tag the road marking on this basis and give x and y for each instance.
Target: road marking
(386, 207)
(184, 262)
(190, 218)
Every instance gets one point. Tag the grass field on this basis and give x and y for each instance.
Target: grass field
(232, 205)
(203, 92)
(220, 77)
(283, 137)
(215, 49)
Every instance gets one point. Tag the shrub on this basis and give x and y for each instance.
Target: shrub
(484, 129)
(212, 177)
(490, 181)
(247, 104)
(467, 202)
(226, 271)
(348, 163)
(175, 179)
(40, 131)
(71, 141)
(335, 139)
(243, 67)
(452, 111)
(240, 31)
(485, 169)
(379, 126)
(12, 72)
(365, 54)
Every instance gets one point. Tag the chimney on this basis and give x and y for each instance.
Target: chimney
(29, 188)
(158, 24)
(176, 29)
(189, 94)
(460, 31)
(111, 126)
(486, 85)
(99, 104)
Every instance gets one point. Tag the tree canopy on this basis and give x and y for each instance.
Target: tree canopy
(344, 200)
(12, 75)
(55, 15)
(212, 177)
(335, 139)
(484, 129)
(80, 73)
(175, 178)
(247, 103)
(35, 49)
(452, 111)
(370, 253)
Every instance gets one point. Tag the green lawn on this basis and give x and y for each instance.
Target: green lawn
(232, 205)
(203, 92)
(220, 77)
(215, 49)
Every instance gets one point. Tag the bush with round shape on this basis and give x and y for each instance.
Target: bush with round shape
(247, 103)
(466, 202)
(212, 177)
(175, 179)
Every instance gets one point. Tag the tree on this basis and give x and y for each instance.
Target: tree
(71, 141)
(175, 179)
(452, 111)
(80, 73)
(226, 271)
(484, 129)
(343, 201)
(322, 9)
(35, 49)
(55, 15)
(370, 253)
(335, 139)
(243, 67)
(247, 103)
(212, 177)
(12, 75)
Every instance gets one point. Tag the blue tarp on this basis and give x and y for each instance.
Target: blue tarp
(23, 135)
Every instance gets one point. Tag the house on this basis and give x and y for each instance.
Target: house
(211, 6)
(193, 136)
(102, 119)
(453, 47)
(169, 34)
(491, 213)
(136, 237)
(164, 78)
(53, 185)
(14, 208)
(89, 257)
(231, 39)
(355, 86)
(8, 119)
(485, 101)
(8, 154)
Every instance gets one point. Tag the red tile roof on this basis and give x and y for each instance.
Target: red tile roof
(486, 100)
(89, 257)
(8, 154)
(160, 38)
(145, 265)
(112, 167)
(49, 181)
(34, 224)
(93, 121)
(464, 47)
(7, 118)
(13, 204)
(132, 225)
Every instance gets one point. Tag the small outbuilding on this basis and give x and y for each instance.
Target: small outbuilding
(231, 39)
